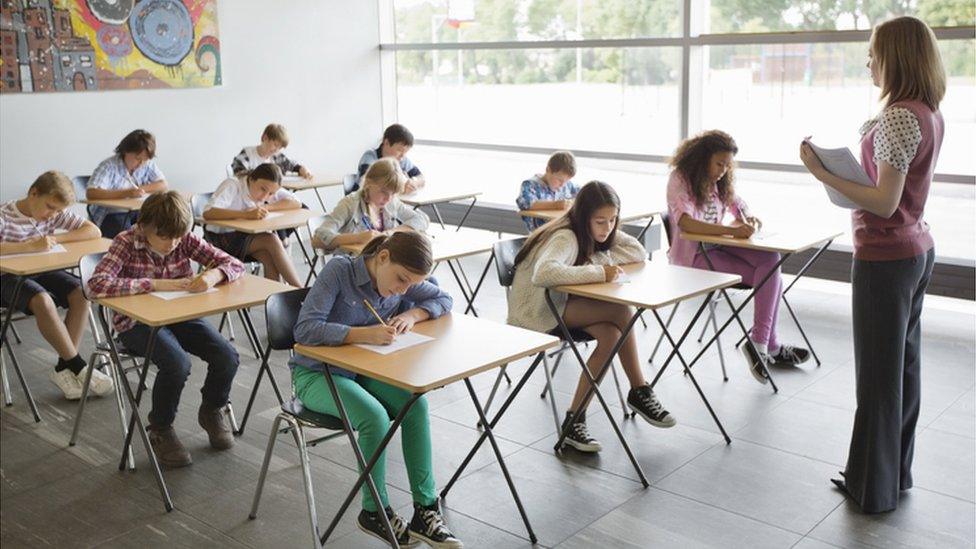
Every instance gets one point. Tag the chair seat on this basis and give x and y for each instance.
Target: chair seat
(742, 286)
(316, 419)
(579, 335)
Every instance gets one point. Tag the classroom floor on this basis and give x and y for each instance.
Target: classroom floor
(769, 488)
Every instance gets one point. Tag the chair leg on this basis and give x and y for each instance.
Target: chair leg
(660, 338)
(7, 398)
(718, 344)
(84, 399)
(264, 466)
(711, 316)
(233, 419)
(616, 381)
(552, 396)
(559, 356)
(13, 330)
(313, 519)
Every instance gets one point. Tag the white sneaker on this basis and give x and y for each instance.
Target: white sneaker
(101, 384)
(68, 383)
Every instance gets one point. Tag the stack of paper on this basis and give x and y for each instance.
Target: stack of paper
(841, 162)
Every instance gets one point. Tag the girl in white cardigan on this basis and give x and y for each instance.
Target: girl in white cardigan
(581, 247)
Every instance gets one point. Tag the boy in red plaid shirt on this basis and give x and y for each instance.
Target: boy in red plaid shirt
(155, 255)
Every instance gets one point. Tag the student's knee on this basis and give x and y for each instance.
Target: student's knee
(77, 300)
(174, 366)
(372, 422)
(418, 411)
(41, 305)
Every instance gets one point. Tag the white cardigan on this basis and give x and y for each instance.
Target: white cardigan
(551, 264)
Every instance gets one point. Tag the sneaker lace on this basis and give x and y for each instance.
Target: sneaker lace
(581, 432)
(398, 524)
(433, 520)
(649, 400)
(787, 352)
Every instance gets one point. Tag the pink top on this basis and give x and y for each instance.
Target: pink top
(908, 136)
(681, 201)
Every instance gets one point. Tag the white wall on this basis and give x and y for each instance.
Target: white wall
(311, 65)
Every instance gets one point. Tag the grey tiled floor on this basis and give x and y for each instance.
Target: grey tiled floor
(769, 488)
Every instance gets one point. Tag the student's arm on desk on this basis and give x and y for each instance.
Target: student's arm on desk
(554, 264)
(221, 265)
(37, 244)
(106, 280)
(313, 326)
(94, 193)
(689, 224)
(413, 218)
(627, 249)
(88, 231)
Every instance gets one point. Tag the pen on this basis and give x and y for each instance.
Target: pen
(372, 310)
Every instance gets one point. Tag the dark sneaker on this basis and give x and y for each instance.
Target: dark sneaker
(644, 403)
(371, 523)
(578, 436)
(214, 422)
(757, 362)
(169, 451)
(789, 355)
(428, 526)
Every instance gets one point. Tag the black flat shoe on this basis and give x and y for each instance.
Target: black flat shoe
(842, 486)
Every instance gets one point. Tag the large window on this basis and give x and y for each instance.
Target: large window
(621, 82)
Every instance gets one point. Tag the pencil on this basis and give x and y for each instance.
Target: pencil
(372, 310)
(210, 265)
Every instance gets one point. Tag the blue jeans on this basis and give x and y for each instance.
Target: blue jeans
(173, 342)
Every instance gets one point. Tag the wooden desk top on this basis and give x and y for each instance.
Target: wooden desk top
(247, 291)
(654, 285)
(36, 264)
(289, 219)
(427, 196)
(463, 346)
(629, 214)
(448, 245)
(781, 241)
(304, 184)
(127, 204)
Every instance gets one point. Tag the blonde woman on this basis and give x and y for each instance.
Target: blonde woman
(893, 257)
(373, 210)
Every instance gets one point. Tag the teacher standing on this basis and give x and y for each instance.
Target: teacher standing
(893, 257)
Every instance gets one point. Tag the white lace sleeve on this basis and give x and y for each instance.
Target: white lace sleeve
(897, 138)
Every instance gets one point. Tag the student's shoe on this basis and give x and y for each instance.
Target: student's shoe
(371, 523)
(67, 381)
(756, 361)
(789, 355)
(428, 526)
(101, 383)
(168, 449)
(578, 436)
(644, 403)
(214, 422)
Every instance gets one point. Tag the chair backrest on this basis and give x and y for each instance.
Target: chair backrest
(666, 222)
(281, 312)
(505, 252)
(86, 266)
(80, 183)
(350, 183)
(198, 203)
(314, 223)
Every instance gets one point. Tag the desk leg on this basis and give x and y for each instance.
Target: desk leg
(481, 280)
(321, 202)
(594, 384)
(465, 288)
(474, 200)
(501, 460)
(365, 468)
(7, 323)
(491, 424)
(789, 308)
(301, 246)
(437, 214)
(135, 420)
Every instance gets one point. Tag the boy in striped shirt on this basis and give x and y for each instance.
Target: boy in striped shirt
(155, 255)
(36, 224)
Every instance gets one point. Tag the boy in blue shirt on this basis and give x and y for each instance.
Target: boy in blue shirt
(551, 191)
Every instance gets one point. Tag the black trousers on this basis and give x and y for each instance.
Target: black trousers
(887, 309)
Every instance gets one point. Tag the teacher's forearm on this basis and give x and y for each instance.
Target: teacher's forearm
(872, 199)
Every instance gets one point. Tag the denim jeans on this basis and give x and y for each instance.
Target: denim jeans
(173, 342)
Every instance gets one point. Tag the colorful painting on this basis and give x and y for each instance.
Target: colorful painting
(76, 45)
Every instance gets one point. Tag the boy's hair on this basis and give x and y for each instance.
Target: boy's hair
(276, 132)
(692, 158)
(167, 214)
(407, 248)
(137, 142)
(593, 196)
(909, 62)
(385, 173)
(562, 162)
(56, 184)
(397, 133)
(266, 171)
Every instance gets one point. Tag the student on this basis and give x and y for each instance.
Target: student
(894, 254)
(372, 210)
(273, 142)
(397, 142)
(584, 246)
(550, 191)
(389, 273)
(252, 195)
(700, 194)
(130, 173)
(155, 255)
(28, 225)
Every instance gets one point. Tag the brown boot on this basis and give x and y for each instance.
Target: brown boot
(214, 422)
(169, 451)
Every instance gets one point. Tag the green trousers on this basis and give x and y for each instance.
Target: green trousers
(371, 406)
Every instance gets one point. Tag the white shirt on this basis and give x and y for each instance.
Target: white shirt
(233, 194)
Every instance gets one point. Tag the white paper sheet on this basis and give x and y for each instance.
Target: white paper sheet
(56, 249)
(272, 215)
(402, 341)
(763, 235)
(841, 162)
(177, 294)
(292, 179)
(623, 278)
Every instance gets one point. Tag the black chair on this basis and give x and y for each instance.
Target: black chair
(505, 252)
(80, 183)
(282, 312)
(350, 183)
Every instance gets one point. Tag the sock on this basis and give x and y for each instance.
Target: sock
(76, 364)
(761, 347)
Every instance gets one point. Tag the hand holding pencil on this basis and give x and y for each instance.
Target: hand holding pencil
(201, 282)
(382, 333)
